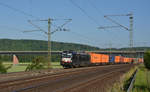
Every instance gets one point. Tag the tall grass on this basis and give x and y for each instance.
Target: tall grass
(124, 81)
(142, 81)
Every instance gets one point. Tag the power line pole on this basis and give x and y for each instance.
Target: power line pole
(49, 43)
(49, 33)
(131, 30)
(49, 40)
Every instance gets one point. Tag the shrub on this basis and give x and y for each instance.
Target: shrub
(147, 59)
(4, 69)
(37, 63)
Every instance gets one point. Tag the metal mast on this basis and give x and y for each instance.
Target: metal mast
(49, 33)
(130, 29)
(49, 43)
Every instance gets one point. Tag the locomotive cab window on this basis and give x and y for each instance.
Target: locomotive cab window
(66, 55)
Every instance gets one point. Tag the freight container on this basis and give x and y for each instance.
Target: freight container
(119, 59)
(95, 58)
(105, 58)
(99, 58)
(127, 60)
(111, 59)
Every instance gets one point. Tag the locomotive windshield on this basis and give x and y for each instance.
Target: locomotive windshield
(66, 55)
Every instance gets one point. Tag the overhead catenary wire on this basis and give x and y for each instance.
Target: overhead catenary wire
(30, 15)
(85, 13)
(24, 13)
(30, 7)
(59, 28)
(100, 13)
(116, 22)
(40, 29)
(91, 3)
(87, 39)
(10, 28)
(18, 10)
(98, 10)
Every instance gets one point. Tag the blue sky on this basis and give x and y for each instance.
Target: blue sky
(82, 28)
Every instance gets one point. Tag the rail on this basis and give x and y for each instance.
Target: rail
(132, 82)
(22, 81)
(36, 87)
(41, 83)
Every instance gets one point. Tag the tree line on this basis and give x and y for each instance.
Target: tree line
(40, 45)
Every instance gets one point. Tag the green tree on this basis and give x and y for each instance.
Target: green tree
(147, 59)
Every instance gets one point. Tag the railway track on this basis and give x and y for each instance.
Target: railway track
(87, 86)
(16, 75)
(62, 82)
(7, 83)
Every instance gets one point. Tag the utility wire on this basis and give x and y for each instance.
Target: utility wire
(17, 10)
(40, 29)
(108, 17)
(10, 28)
(30, 7)
(82, 10)
(83, 37)
(92, 4)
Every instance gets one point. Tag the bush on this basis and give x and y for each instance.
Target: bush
(147, 59)
(37, 63)
(4, 69)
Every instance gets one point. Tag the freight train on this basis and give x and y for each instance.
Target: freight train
(71, 59)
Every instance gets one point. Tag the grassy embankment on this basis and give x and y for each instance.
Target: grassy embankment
(142, 81)
(22, 66)
(123, 82)
(141, 84)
